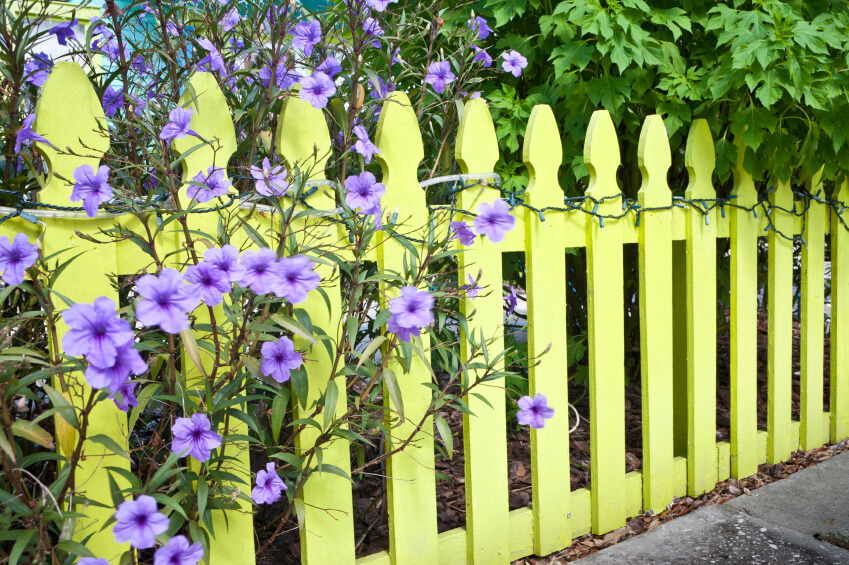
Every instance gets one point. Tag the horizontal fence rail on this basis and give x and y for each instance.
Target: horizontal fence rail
(677, 294)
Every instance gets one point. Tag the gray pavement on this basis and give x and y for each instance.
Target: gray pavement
(774, 525)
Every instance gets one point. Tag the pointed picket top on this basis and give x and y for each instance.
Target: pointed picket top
(814, 183)
(601, 156)
(303, 139)
(212, 121)
(841, 190)
(700, 159)
(69, 114)
(477, 145)
(655, 158)
(782, 196)
(401, 151)
(744, 185)
(542, 155)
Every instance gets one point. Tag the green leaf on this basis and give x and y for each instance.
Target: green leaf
(278, 411)
(74, 548)
(33, 432)
(63, 406)
(6, 446)
(370, 349)
(301, 385)
(293, 326)
(445, 434)
(111, 445)
(331, 397)
(20, 546)
(203, 495)
(190, 345)
(391, 383)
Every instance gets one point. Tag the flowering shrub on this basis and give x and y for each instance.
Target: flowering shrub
(201, 340)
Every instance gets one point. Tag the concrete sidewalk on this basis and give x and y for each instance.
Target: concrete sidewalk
(774, 525)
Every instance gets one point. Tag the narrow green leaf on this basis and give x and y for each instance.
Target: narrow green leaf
(111, 445)
(370, 349)
(394, 392)
(331, 396)
(190, 345)
(445, 434)
(293, 326)
(33, 432)
(63, 406)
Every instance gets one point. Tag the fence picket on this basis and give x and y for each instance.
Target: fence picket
(655, 248)
(605, 334)
(780, 338)
(84, 132)
(812, 433)
(303, 139)
(700, 159)
(484, 433)
(744, 324)
(546, 286)
(411, 484)
(839, 381)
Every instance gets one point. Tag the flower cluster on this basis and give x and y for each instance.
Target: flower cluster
(139, 522)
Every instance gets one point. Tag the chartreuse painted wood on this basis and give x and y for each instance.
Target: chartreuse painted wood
(655, 249)
(812, 297)
(546, 287)
(304, 140)
(700, 160)
(233, 539)
(85, 279)
(605, 336)
(839, 380)
(744, 324)
(485, 430)
(410, 483)
(780, 336)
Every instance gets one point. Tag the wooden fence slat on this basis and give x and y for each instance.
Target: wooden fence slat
(410, 484)
(780, 336)
(546, 285)
(485, 430)
(744, 324)
(327, 534)
(233, 539)
(655, 248)
(839, 381)
(700, 159)
(811, 346)
(605, 335)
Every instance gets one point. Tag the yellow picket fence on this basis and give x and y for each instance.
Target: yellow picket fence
(677, 251)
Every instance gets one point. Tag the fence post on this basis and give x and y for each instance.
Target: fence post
(233, 540)
(812, 433)
(780, 338)
(484, 431)
(839, 381)
(605, 334)
(655, 243)
(327, 533)
(69, 114)
(411, 483)
(700, 159)
(744, 323)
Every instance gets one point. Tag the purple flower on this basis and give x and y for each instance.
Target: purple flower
(25, 135)
(178, 552)
(214, 59)
(409, 312)
(138, 522)
(113, 100)
(463, 231)
(92, 561)
(213, 184)
(16, 257)
(372, 28)
(210, 281)
(283, 77)
(38, 68)
(194, 437)
(472, 289)
(439, 75)
(230, 20)
(269, 486)
(534, 411)
(364, 146)
(96, 331)
(128, 396)
(165, 301)
(64, 32)
(259, 270)
(379, 5)
(226, 260)
(295, 277)
(494, 220)
(279, 358)
(307, 34)
(513, 62)
(90, 187)
(482, 56)
(127, 362)
(363, 192)
(179, 126)
(512, 300)
(480, 24)
(270, 181)
(316, 89)
(330, 66)
(381, 90)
